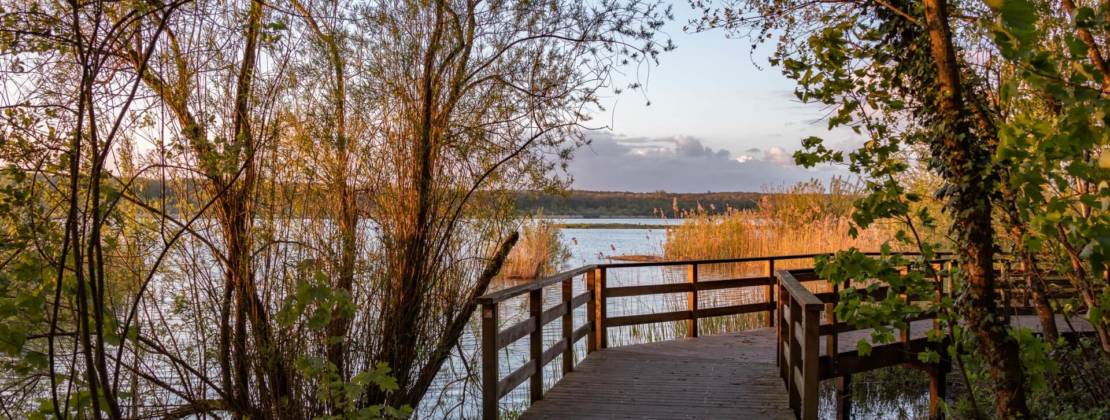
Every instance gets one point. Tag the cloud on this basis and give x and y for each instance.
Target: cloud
(682, 164)
(778, 156)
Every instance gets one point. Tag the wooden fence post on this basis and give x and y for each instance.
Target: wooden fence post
(692, 301)
(794, 356)
(568, 326)
(591, 310)
(489, 361)
(535, 344)
(810, 365)
(602, 310)
(771, 292)
(844, 397)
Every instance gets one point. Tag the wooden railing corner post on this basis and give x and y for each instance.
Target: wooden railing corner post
(489, 362)
(535, 344)
(771, 315)
(692, 301)
(810, 367)
(591, 310)
(602, 310)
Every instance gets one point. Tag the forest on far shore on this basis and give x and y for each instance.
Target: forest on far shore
(593, 204)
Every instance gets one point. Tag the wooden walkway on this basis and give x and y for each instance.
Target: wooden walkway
(716, 377)
(770, 372)
(713, 377)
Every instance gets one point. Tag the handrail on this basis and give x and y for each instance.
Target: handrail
(798, 339)
(511, 292)
(595, 331)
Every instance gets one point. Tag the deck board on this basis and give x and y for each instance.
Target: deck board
(715, 377)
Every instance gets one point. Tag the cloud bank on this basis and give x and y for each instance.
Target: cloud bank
(683, 164)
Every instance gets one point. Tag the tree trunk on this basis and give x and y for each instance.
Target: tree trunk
(966, 163)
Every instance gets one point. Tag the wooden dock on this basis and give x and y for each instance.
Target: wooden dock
(716, 377)
(770, 372)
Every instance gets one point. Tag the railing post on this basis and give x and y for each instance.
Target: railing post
(591, 310)
(692, 301)
(844, 397)
(602, 334)
(489, 361)
(771, 292)
(568, 326)
(794, 356)
(782, 328)
(535, 344)
(905, 332)
(810, 362)
(832, 345)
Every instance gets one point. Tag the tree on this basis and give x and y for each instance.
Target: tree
(248, 185)
(919, 80)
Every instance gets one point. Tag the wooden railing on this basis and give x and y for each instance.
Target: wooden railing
(595, 330)
(801, 364)
(494, 338)
(798, 338)
(795, 310)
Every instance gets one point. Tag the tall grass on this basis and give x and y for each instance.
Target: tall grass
(539, 252)
(803, 219)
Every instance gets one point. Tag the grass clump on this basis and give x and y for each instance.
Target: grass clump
(539, 252)
(803, 219)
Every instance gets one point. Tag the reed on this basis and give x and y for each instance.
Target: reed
(539, 252)
(803, 219)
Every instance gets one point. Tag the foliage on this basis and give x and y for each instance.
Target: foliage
(251, 209)
(1002, 101)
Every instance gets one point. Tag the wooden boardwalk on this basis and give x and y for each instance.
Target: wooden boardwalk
(716, 377)
(713, 377)
(762, 373)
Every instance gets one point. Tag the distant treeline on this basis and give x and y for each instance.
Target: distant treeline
(588, 204)
(629, 204)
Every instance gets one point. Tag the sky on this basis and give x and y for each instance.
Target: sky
(720, 119)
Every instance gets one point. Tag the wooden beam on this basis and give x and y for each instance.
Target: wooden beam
(692, 301)
(535, 344)
(568, 326)
(490, 395)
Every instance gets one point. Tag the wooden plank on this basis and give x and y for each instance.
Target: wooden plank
(515, 332)
(711, 377)
(851, 362)
(535, 344)
(650, 289)
(735, 309)
(552, 352)
(581, 299)
(620, 321)
(550, 314)
(733, 283)
(511, 292)
(795, 290)
(581, 332)
(516, 378)
(692, 301)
